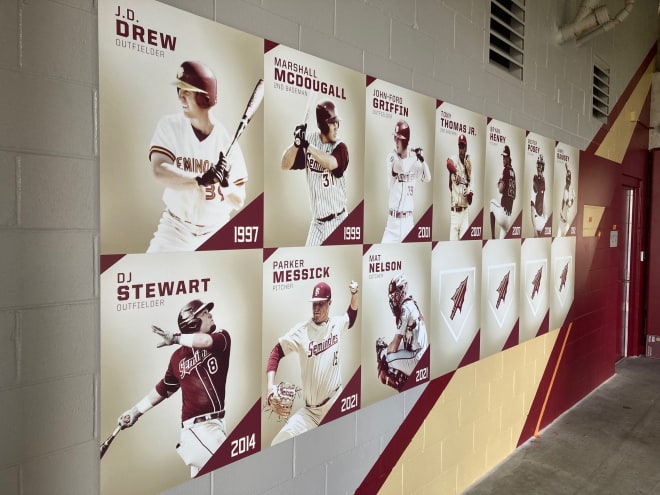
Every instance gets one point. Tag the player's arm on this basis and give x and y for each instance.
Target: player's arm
(129, 417)
(192, 340)
(352, 309)
(394, 345)
(288, 157)
(165, 172)
(335, 162)
(426, 172)
(271, 366)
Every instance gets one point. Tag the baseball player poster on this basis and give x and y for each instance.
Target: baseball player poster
(534, 287)
(398, 163)
(567, 167)
(173, 94)
(312, 330)
(537, 186)
(563, 279)
(395, 319)
(314, 150)
(459, 172)
(195, 327)
(505, 155)
(500, 295)
(456, 300)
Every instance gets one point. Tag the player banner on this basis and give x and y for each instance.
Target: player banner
(396, 308)
(173, 95)
(314, 150)
(505, 155)
(538, 186)
(459, 173)
(311, 337)
(398, 163)
(184, 410)
(562, 287)
(567, 167)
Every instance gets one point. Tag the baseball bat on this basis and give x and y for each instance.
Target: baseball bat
(252, 105)
(311, 103)
(105, 445)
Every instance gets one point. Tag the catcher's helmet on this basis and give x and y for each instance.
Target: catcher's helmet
(540, 163)
(462, 140)
(188, 320)
(197, 77)
(402, 131)
(397, 292)
(326, 114)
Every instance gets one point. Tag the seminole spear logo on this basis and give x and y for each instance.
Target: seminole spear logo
(536, 283)
(459, 298)
(562, 278)
(502, 289)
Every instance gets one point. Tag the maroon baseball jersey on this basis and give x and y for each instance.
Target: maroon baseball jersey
(539, 189)
(509, 192)
(201, 374)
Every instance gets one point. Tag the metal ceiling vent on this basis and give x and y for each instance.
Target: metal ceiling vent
(600, 101)
(507, 35)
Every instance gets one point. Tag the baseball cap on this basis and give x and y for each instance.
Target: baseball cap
(321, 292)
(507, 151)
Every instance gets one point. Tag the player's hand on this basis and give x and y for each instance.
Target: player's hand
(418, 152)
(217, 173)
(169, 338)
(299, 140)
(353, 287)
(129, 418)
(469, 196)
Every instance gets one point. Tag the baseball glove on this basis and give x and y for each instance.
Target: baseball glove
(280, 399)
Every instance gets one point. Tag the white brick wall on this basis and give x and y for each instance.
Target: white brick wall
(49, 326)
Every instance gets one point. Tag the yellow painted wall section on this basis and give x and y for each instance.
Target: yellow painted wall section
(616, 142)
(475, 424)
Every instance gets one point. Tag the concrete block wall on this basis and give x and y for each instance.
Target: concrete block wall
(49, 325)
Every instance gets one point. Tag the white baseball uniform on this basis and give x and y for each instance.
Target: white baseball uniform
(459, 187)
(318, 349)
(327, 190)
(193, 213)
(568, 198)
(401, 195)
(412, 328)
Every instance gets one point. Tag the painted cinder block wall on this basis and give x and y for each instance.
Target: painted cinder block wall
(49, 329)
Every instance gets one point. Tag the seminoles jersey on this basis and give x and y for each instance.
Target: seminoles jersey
(412, 327)
(327, 189)
(538, 188)
(402, 185)
(202, 206)
(458, 183)
(509, 192)
(201, 374)
(318, 349)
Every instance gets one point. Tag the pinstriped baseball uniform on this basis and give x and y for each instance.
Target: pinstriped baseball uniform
(318, 349)
(327, 190)
(459, 187)
(193, 213)
(401, 201)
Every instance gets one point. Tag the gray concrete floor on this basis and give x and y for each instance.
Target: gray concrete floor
(608, 443)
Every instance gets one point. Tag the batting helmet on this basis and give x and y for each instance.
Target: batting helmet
(326, 114)
(540, 163)
(197, 77)
(402, 131)
(188, 316)
(397, 292)
(462, 140)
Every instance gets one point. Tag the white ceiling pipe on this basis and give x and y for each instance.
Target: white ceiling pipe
(593, 24)
(611, 24)
(585, 9)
